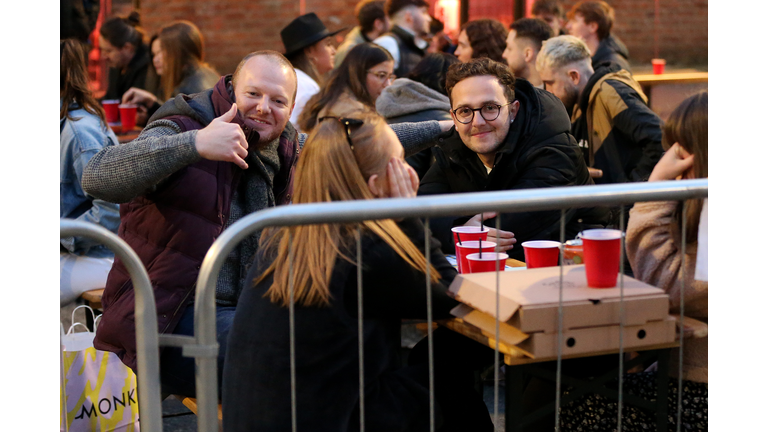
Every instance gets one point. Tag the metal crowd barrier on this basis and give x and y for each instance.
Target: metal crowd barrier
(205, 347)
(147, 350)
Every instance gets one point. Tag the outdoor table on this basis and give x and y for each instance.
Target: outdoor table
(520, 367)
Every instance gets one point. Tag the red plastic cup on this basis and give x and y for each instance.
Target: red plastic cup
(469, 233)
(658, 66)
(469, 247)
(602, 252)
(541, 253)
(486, 263)
(128, 117)
(111, 110)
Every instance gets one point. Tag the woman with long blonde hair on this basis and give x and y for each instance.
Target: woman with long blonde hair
(355, 158)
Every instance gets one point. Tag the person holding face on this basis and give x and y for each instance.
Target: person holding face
(200, 165)
(309, 47)
(507, 135)
(347, 158)
(482, 38)
(354, 86)
(125, 52)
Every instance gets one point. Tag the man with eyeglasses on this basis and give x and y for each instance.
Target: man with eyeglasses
(507, 135)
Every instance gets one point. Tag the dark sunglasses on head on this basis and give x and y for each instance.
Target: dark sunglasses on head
(348, 123)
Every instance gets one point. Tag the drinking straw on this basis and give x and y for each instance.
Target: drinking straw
(458, 235)
(480, 247)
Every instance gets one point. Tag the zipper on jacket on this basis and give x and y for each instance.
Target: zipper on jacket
(183, 303)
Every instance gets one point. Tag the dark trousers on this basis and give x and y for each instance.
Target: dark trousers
(177, 373)
(456, 359)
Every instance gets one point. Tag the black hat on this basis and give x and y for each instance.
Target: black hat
(303, 32)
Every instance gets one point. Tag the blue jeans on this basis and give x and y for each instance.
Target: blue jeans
(177, 373)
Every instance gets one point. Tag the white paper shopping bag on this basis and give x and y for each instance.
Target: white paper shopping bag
(98, 390)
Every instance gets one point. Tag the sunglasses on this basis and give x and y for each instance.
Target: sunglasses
(348, 123)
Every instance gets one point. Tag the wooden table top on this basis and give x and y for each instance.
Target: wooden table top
(672, 78)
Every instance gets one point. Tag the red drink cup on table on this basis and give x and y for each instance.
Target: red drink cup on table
(128, 117)
(658, 66)
(541, 253)
(469, 247)
(486, 262)
(111, 110)
(467, 233)
(602, 252)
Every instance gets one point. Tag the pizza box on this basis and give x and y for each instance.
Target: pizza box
(528, 299)
(574, 341)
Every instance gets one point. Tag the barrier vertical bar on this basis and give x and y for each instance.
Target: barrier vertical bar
(559, 373)
(621, 318)
(496, 346)
(361, 370)
(682, 317)
(292, 331)
(430, 342)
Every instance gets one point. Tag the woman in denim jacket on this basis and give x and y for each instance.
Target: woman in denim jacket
(84, 263)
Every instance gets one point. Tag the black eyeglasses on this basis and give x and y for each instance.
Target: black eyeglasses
(489, 112)
(348, 124)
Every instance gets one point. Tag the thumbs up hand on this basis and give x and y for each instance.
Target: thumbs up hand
(223, 141)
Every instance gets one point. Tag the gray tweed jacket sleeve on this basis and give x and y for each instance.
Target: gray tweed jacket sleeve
(120, 173)
(126, 171)
(415, 137)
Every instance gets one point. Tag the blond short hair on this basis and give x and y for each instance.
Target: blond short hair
(563, 51)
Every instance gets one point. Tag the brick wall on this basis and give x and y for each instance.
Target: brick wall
(681, 34)
(233, 28)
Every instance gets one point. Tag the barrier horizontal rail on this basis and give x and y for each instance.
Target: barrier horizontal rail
(426, 206)
(147, 349)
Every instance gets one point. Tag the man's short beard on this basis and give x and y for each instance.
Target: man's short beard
(571, 98)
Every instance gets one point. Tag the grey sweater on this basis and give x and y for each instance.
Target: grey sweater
(133, 169)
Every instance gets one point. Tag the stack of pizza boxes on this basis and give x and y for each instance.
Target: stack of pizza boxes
(528, 311)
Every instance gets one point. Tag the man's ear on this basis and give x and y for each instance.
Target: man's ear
(373, 186)
(574, 75)
(379, 25)
(514, 107)
(529, 55)
(592, 27)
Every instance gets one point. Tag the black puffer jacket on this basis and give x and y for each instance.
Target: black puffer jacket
(538, 152)
(612, 49)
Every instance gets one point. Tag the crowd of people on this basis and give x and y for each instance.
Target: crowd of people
(399, 109)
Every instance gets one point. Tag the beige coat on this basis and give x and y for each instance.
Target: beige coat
(653, 249)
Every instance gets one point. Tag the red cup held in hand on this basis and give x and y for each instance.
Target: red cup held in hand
(128, 117)
(468, 247)
(602, 253)
(541, 253)
(486, 262)
(111, 110)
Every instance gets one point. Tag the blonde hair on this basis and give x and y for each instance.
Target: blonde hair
(562, 51)
(329, 170)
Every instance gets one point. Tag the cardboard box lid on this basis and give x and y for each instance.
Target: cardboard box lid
(537, 287)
